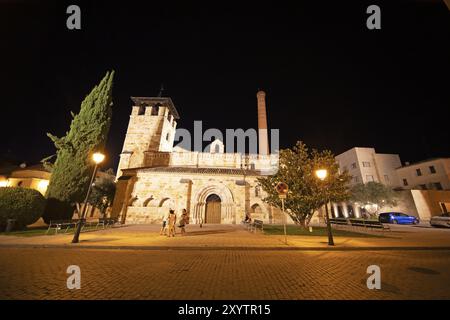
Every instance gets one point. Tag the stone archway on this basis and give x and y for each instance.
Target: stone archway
(227, 205)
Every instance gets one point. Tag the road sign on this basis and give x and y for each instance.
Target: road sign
(282, 189)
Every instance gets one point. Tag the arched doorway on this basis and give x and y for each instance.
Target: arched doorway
(213, 209)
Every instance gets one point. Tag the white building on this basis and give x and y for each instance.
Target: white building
(423, 183)
(365, 165)
(433, 174)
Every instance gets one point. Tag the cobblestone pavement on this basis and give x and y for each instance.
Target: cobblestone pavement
(40, 273)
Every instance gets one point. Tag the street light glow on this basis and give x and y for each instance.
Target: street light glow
(321, 174)
(98, 157)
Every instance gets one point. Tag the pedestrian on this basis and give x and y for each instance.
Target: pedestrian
(164, 226)
(172, 220)
(183, 222)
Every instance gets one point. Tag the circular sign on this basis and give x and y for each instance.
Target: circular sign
(282, 188)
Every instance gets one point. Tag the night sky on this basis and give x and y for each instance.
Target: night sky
(329, 80)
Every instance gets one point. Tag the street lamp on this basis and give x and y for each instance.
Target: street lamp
(322, 175)
(97, 158)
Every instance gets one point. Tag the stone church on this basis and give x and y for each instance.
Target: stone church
(214, 186)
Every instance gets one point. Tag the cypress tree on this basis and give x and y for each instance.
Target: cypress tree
(73, 166)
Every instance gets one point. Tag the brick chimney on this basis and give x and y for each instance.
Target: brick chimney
(263, 139)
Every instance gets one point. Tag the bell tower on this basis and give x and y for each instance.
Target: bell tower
(151, 128)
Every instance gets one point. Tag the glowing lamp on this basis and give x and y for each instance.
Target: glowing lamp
(98, 157)
(321, 174)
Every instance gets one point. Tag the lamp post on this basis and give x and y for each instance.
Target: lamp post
(322, 175)
(97, 158)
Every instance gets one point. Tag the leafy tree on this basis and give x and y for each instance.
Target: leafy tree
(307, 193)
(73, 166)
(103, 192)
(373, 196)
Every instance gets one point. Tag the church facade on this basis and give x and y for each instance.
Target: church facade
(213, 186)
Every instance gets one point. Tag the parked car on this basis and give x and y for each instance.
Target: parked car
(442, 220)
(397, 218)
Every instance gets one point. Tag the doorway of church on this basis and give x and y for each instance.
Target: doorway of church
(213, 205)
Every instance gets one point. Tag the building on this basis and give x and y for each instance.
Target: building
(212, 185)
(365, 165)
(420, 187)
(35, 177)
(433, 174)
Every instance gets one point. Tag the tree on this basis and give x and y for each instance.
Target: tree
(306, 192)
(373, 196)
(73, 167)
(102, 194)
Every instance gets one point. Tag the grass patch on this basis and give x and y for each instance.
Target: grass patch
(293, 230)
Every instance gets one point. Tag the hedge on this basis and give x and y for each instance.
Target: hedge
(24, 205)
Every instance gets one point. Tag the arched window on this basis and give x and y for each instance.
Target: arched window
(255, 208)
(147, 201)
(164, 202)
(257, 191)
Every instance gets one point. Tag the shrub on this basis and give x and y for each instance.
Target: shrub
(56, 209)
(24, 205)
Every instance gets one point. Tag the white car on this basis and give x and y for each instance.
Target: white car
(442, 220)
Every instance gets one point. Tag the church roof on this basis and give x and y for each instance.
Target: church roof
(166, 101)
(226, 171)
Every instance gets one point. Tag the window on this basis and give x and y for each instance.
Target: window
(167, 136)
(141, 110)
(257, 191)
(386, 178)
(354, 165)
(405, 182)
(423, 186)
(432, 169)
(369, 178)
(418, 172)
(169, 116)
(366, 164)
(437, 185)
(155, 110)
(355, 179)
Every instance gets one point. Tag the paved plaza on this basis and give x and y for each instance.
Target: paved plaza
(223, 262)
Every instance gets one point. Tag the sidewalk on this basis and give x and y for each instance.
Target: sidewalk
(222, 237)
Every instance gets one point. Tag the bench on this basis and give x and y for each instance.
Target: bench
(373, 224)
(369, 224)
(339, 221)
(106, 222)
(257, 224)
(61, 224)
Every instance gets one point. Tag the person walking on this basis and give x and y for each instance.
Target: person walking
(164, 226)
(172, 220)
(183, 222)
